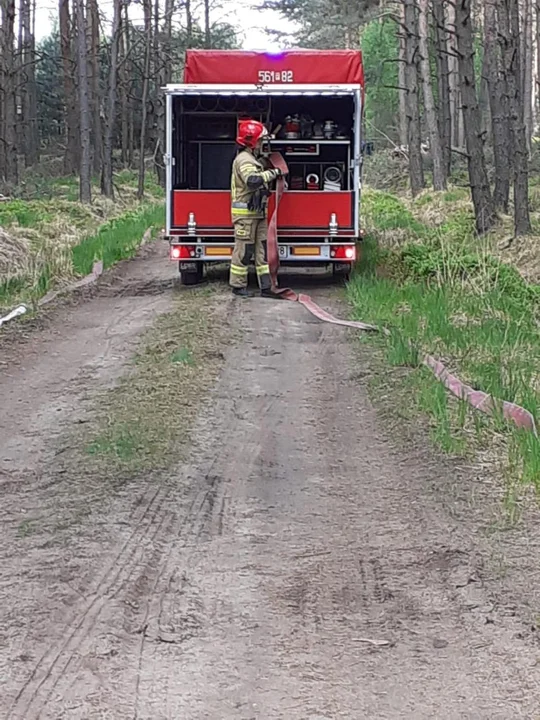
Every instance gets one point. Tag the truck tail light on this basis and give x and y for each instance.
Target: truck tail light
(343, 252)
(182, 252)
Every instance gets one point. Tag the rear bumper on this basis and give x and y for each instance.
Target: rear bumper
(307, 252)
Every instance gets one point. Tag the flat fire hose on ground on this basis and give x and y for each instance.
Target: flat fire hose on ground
(477, 399)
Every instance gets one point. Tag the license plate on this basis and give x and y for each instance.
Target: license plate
(283, 251)
(306, 251)
(218, 251)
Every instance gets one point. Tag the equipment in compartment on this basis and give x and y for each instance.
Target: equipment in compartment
(333, 179)
(301, 150)
(303, 127)
(329, 130)
(309, 131)
(292, 127)
(306, 127)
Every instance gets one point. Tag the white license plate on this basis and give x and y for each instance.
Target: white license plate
(283, 251)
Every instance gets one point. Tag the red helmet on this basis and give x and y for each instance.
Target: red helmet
(250, 132)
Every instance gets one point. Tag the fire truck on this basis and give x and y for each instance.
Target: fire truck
(311, 102)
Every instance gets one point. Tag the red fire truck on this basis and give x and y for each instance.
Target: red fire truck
(311, 102)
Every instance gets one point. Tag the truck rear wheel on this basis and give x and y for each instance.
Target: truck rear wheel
(191, 273)
(341, 271)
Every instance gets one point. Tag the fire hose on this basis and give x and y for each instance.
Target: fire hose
(477, 399)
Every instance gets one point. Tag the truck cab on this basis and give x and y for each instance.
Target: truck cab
(311, 103)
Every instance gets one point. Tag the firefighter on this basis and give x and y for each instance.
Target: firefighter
(250, 180)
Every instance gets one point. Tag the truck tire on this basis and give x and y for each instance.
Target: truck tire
(341, 271)
(192, 274)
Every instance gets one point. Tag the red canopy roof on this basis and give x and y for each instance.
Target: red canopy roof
(304, 67)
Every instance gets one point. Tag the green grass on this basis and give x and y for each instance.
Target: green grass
(440, 292)
(24, 213)
(387, 212)
(54, 238)
(117, 239)
(182, 356)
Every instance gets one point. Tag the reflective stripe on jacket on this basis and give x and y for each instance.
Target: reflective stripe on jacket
(246, 170)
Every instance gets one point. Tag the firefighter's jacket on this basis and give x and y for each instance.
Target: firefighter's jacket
(249, 186)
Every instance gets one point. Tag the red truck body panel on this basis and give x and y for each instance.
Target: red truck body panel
(303, 209)
(306, 67)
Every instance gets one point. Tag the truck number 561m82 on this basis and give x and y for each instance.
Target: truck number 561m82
(270, 76)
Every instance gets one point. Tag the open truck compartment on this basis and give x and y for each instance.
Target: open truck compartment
(311, 103)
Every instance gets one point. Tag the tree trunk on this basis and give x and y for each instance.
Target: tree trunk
(94, 83)
(443, 83)
(8, 131)
(124, 87)
(453, 73)
(527, 72)
(509, 34)
(85, 186)
(27, 89)
(498, 99)
(416, 170)
(537, 62)
(147, 4)
(107, 187)
(129, 85)
(402, 81)
(32, 128)
(439, 175)
(207, 38)
(71, 155)
(189, 24)
(481, 194)
(483, 97)
(21, 79)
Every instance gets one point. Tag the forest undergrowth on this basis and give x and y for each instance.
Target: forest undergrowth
(471, 301)
(48, 237)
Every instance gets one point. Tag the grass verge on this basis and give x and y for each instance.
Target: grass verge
(116, 239)
(439, 290)
(48, 241)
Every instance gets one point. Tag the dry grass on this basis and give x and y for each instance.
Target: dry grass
(437, 210)
(14, 254)
(37, 237)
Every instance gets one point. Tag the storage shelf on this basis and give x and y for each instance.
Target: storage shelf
(282, 142)
(310, 142)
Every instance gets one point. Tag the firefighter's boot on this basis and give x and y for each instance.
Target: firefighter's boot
(241, 292)
(270, 294)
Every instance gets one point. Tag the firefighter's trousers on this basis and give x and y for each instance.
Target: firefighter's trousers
(249, 244)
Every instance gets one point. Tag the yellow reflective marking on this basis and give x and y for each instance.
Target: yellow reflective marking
(239, 270)
(242, 211)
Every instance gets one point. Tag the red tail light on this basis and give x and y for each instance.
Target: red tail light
(182, 252)
(343, 252)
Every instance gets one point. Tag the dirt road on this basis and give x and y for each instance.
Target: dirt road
(296, 566)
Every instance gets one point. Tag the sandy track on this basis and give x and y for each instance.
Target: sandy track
(297, 567)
